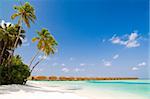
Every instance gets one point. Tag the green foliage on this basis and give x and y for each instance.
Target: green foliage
(8, 35)
(12, 69)
(46, 42)
(16, 73)
(16, 60)
(25, 13)
(19, 73)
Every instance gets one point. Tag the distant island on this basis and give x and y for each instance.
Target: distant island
(63, 78)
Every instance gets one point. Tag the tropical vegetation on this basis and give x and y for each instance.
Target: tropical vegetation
(12, 68)
(46, 43)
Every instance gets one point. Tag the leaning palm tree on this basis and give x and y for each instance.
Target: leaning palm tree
(26, 14)
(46, 44)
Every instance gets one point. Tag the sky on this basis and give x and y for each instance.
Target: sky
(96, 38)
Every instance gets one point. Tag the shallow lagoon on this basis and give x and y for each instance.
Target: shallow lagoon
(135, 89)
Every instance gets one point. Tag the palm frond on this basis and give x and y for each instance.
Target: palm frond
(14, 15)
(35, 39)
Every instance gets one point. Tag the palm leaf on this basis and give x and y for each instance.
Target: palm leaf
(35, 39)
(26, 20)
(14, 16)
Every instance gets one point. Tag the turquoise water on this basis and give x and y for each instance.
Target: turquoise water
(140, 87)
(136, 87)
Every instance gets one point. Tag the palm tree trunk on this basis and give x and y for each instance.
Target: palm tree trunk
(36, 65)
(1, 56)
(33, 58)
(20, 24)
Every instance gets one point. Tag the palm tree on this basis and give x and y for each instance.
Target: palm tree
(26, 14)
(46, 44)
(8, 35)
(5, 37)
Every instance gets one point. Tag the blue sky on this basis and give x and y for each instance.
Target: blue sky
(102, 38)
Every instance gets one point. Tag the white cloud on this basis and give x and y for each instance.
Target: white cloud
(116, 40)
(116, 56)
(135, 68)
(129, 42)
(107, 63)
(65, 70)
(63, 64)
(78, 70)
(44, 57)
(71, 59)
(133, 36)
(142, 64)
(82, 64)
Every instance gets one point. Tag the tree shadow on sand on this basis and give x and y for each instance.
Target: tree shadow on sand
(7, 89)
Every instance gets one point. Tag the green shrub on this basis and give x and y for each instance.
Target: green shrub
(16, 73)
(19, 74)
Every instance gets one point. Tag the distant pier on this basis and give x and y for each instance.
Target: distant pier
(63, 78)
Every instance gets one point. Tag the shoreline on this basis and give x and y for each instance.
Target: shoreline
(46, 90)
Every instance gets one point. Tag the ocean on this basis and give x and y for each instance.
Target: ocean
(121, 89)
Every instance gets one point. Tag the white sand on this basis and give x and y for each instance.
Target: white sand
(102, 94)
(40, 95)
(38, 90)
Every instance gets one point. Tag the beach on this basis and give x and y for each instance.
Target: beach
(68, 90)
(74, 49)
(34, 90)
